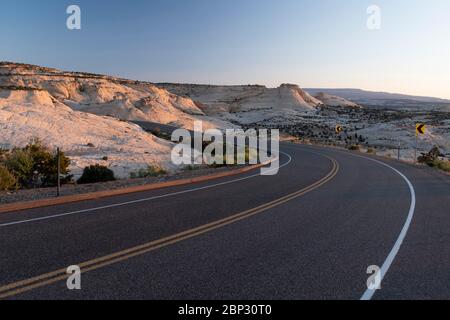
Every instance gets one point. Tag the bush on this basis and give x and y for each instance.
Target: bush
(354, 147)
(21, 163)
(96, 173)
(150, 171)
(443, 165)
(46, 164)
(371, 151)
(7, 179)
(191, 168)
(35, 165)
(431, 157)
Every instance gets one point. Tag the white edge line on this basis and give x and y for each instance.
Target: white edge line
(141, 200)
(368, 295)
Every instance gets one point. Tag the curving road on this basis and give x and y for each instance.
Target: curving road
(309, 232)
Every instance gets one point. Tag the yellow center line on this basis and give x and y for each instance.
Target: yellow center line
(59, 275)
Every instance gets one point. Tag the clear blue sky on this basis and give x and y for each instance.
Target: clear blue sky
(315, 43)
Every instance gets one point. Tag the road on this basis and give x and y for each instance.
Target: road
(309, 232)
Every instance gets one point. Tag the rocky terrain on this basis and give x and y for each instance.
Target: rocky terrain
(86, 138)
(383, 131)
(89, 115)
(107, 96)
(335, 101)
(248, 104)
(384, 100)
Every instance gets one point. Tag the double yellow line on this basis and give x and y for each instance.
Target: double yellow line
(61, 274)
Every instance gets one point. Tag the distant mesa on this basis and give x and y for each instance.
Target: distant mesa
(335, 101)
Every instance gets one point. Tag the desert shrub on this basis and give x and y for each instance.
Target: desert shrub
(354, 147)
(442, 165)
(371, 151)
(46, 164)
(7, 179)
(431, 157)
(96, 173)
(191, 168)
(36, 162)
(150, 171)
(21, 164)
(90, 145)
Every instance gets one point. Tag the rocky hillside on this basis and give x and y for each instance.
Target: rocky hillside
(335, 101)
(247, 104)
(381, 100)
(26, 114)
(105, 95)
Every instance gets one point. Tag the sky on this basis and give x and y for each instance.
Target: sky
(313, 43)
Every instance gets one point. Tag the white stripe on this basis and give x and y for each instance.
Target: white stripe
(140, 200)
(368, 295)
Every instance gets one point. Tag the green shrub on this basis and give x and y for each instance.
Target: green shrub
(35, 165)
(191, 168)
(96, 173)
(441, 165)
(150, 171)
(7, 179)
(21, 164)
(431, 157)
(46, 164)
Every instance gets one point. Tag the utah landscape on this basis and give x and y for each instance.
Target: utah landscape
(217, 158)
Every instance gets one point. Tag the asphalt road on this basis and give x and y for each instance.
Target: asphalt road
(309, 232)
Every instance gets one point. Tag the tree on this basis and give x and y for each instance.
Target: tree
(96, 173)
(35, 165)
(7, 179)
(430, 157)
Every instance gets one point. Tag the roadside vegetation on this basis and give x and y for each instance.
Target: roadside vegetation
(7, 179)
(150, 171)
(435, 159)
(31, 167)
(96, 173)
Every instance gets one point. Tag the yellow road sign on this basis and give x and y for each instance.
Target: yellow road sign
(420, 128)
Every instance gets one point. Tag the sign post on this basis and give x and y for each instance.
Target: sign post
(58, 185)
(420, 130)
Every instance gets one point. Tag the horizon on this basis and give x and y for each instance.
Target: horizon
(250, 45)
(241, 84)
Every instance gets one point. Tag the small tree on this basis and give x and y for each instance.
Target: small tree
(430, 157)
(7, 179)
(21, 165)
(45, 163)
(35, 163)
(96, 173)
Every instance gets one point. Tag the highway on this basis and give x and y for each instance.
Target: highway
(309, 232)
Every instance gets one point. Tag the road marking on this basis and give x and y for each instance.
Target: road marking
(368, 294)
(85, 211)
(59, 275)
